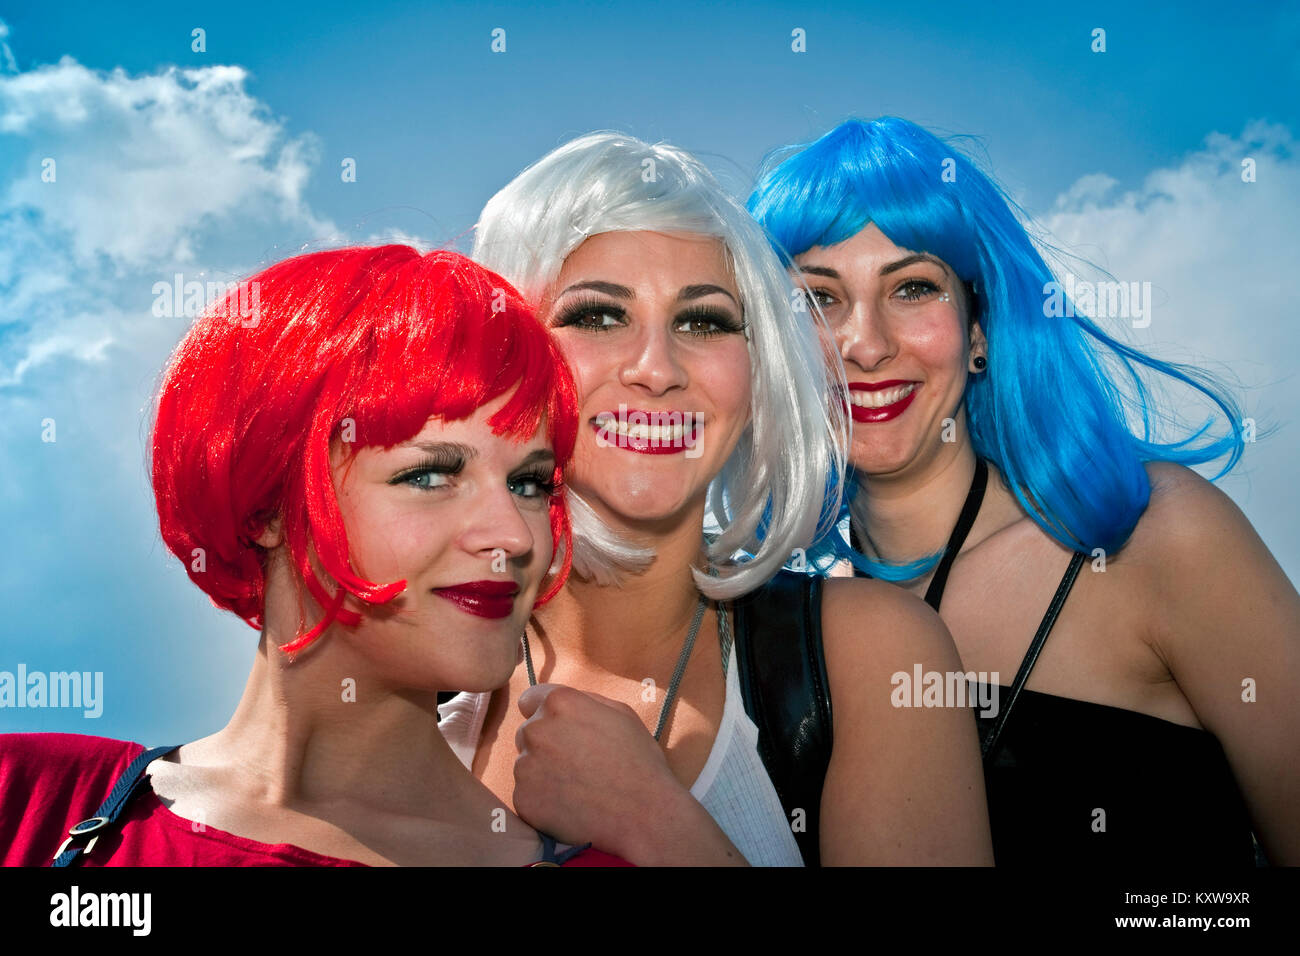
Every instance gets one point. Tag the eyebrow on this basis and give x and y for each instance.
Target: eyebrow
(687, 293)
(538, 454)
(700, 291)
(453, 449)
(595, 285)
(885, 270)
(906, 261)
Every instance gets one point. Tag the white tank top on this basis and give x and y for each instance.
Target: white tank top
(733, 786)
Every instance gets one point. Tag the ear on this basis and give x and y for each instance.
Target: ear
(979, 345)
(272, 536)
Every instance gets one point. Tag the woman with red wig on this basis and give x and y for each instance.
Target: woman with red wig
(359, 452)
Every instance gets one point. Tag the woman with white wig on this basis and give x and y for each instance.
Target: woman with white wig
(672, 720)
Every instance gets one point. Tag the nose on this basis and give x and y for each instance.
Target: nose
(494, 524)
(652, 362)
(865, 339)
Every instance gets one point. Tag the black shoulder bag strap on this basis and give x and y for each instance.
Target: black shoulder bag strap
(126, 787)
(782, 672)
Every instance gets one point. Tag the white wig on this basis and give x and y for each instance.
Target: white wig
(771, 497)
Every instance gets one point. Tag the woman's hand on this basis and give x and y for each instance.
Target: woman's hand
(589, 771)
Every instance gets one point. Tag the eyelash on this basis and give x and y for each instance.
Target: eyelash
(543, 480)
(585, 308)
(431, 466)
(925, 284)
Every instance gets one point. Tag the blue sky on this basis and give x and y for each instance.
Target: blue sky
(215, 163)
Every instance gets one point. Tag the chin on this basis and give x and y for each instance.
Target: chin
(879, 463)
(637, 499)
(481, 676)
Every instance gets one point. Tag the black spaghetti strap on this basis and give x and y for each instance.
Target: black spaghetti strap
(126, 787)
(1031, 656)
(974, 498)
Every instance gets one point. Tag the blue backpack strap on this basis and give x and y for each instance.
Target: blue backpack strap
(123, 790)
(550, 857)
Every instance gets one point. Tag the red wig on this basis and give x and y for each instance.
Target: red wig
(363, 345)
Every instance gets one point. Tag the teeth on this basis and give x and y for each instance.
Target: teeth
(656, 434)
(881, 398)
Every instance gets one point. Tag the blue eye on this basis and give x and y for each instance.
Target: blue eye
(532, 485)
(429, 473)
(426, 479)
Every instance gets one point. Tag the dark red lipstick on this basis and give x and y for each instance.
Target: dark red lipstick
(882, 413)
(492, 599)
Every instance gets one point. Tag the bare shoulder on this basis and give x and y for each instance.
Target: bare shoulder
(1186, 510)
(1191, 528)
(1207, 559)
(871, 627)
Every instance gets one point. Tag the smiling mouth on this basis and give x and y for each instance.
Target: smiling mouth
(880, 402)
(680, 433)
(860, 398)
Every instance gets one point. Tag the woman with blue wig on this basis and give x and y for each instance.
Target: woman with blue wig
(1008, 466)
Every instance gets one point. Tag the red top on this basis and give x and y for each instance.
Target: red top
(50, 782)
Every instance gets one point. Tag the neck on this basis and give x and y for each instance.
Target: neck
(911, 514)
(617, 628)
(324, 727)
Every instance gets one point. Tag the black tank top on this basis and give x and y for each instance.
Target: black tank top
(1074, 782)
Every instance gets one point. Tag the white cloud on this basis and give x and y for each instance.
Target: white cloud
(171, 171)
(7, 62)
(124, 180)
(1220, 254)
(144, 165)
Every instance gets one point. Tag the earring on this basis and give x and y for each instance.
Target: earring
(980, 363)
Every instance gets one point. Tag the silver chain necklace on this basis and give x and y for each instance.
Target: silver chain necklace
(678, 671)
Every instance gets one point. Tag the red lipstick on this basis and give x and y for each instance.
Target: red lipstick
(491, 599)
(882, 413)
(659, 432)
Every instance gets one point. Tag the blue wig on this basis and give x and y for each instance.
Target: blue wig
(1062, 409)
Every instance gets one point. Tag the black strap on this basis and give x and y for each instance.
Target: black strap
(88, 831)
(1031, 656)
(965, 521)
(782, 673)
(969, 511)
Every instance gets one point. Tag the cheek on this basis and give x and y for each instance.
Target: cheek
(587, 363)
(729, 380)
(939, 344)
(381, 538)
(544, 547)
